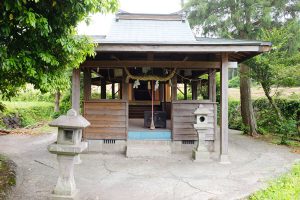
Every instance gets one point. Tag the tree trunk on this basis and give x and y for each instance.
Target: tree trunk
(271, 101)
(247, 113)
(57, 100)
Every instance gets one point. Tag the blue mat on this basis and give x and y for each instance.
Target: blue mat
(149, 135)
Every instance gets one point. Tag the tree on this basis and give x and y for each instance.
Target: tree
(280, 66)
(241, 20)
(38, 41)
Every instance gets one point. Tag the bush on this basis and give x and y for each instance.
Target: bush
(29, 113)
(234, 82)
(234, 115)
(267, 121)
(29, 94)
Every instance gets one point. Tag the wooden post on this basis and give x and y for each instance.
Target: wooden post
(174, 87)
(185, 91)
(161, 95)
(103, 88)
(165, 97)
(194, 90)
(113, 90)
(224, 159)
(212, 85)
(124, 88)
(87, 81)
(76, 90)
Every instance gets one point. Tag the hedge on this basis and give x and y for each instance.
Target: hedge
(265, 117)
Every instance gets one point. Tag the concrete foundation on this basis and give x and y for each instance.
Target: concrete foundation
(120, 146)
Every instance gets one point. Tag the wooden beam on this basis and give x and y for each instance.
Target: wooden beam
(124, 88)
(212, 85)
(87, 81)
(174, 88)
(185, 91)
(149, 63)
(103, 88)
(194, 90)
(113, 90)
(224, 111)
(104, 47)
(76, 90)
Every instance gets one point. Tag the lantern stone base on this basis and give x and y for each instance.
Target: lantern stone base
(200, 156)
(74, 196)
(224, 159)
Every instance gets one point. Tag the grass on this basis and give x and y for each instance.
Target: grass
(286, 187)
(25, 104)
(7, 176)
(29, 113)
(257, 92)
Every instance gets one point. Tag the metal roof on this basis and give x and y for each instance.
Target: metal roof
(149, 31)
(161, 29)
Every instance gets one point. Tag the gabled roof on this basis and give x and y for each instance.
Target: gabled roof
(170, 34)
(150, 28)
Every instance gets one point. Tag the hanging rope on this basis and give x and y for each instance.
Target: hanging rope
(149, 77)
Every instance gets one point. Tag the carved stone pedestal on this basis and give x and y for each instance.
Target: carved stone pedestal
(65, 187)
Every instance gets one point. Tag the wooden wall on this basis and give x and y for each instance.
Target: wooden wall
(108, 118)
(183, 118)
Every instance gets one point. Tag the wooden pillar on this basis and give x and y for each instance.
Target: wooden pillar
(124, 88)
(194, 90)
(161, 95)
(87, 82)
(113, 90)
(165, 97)
(174, 88)
(224, 111)
(76, 90)
(212, 85)
(185, 91)
(103, 88)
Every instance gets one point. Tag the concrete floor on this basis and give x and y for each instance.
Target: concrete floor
(110, 177)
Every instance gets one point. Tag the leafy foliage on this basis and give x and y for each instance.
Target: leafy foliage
(281, 65)
(29, 113)
(284, 188)
(267, 120)
(38, 41)
(234, 82)
(239, 19)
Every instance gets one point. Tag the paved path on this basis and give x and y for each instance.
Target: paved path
(110, 177)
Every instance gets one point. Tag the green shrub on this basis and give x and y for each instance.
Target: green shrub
(267, 121)
(284, 188)
(29, 113)
(31, 95)
(234, 115)
(234, 82)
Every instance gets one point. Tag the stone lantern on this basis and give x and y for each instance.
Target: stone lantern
(67, 147)
(202, 127)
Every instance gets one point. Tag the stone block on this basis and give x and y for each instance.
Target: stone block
(200, 156)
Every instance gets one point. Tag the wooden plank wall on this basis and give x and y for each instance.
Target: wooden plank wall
(108, 118)
(183, 118)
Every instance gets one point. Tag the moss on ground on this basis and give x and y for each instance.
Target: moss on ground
(7, 176)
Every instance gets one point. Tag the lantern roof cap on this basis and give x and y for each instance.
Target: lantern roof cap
(71, 120)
